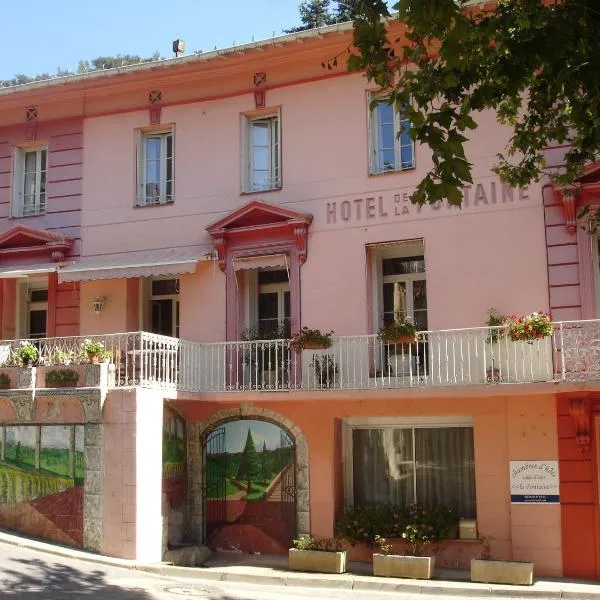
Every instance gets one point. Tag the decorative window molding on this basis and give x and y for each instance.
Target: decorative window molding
(391, 148)
(29, 181)
(155, 167)
(261, 155)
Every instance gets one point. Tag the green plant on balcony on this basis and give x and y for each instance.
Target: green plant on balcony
(62, 357)
(311, 339)
(398, 332)
(496, 322)
(4, 381)
(326, 370)
(93, 350)
(58, 378)
(27, 354)
(529, 328)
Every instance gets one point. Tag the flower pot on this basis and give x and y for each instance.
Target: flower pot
(492, 375)
(94, 359)
(404, 339)
(403, 364)
(27, 362)
(502, 571)
(397, 565)
(315, 346)
(317, 561)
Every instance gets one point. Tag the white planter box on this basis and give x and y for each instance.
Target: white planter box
(502, 571)
(397, 565)
(317, 561)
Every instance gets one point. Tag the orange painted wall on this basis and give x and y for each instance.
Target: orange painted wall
(579, 501)
(505, 428)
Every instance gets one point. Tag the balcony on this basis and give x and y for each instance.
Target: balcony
(453, 357)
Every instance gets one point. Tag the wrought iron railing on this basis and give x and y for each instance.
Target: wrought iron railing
(483, 355)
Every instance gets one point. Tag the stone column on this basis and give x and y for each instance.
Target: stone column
(93, 509)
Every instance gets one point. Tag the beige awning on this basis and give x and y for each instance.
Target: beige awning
(264, 261)
(151, 263)
(13, 271)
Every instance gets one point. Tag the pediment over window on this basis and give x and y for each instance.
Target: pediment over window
(25, 241)
(259, 222)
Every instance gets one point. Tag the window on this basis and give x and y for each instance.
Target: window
(273, 302)
(164, 307)
(29, 192)
(400, 286)
(33, 310)
(262, 154)
(394, 462)
(155, 167)
(391, 146)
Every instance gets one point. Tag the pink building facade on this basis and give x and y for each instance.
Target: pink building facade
(223, 201)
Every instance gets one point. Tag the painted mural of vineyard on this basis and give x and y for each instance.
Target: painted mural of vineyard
(41, 480)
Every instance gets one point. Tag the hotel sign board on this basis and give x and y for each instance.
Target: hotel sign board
(534, 482)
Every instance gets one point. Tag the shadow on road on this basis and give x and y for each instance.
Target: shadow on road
(38, 579)
(41, 580)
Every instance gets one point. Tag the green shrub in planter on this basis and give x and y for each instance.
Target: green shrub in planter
(62, 378)
(4, 381)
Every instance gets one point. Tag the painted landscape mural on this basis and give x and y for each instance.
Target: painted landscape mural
(250, 488)
(174, 476)
(41, 481)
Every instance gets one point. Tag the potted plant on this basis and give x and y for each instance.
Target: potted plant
(398, 332)
(529, 328)
(93, 350)
(267, 355)
(496, 331)
(319, 555)
(311, 339)
(487, 570)
(59, 378)
(325, 369)
(61, 357)
(4, 381)
(27, 354)
(388, 564)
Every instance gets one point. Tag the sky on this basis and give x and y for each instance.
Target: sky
(41, 35)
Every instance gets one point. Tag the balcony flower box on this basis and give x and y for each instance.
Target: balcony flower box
(61, 378)
(398, 565)
(311, 339)
(404, 332)
(501, 571)
(317, 555)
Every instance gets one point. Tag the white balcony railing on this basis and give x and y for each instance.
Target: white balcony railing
(476, 356)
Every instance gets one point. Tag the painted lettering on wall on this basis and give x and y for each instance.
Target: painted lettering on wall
(365, 209)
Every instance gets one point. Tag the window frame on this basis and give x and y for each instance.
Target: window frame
(18, 187)
(373, 98)
(142, 135)
(399, 249)
(175, 304)
(25, 305)
(275, 166)
(349, 424)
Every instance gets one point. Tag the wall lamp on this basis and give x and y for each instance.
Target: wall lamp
(98, 305)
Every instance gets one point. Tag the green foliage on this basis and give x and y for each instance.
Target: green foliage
(365, 524)
(495, 321)
(93, 348)
(4, 380)
(27, 353)
(318, 13)
(382, 545)
(18, 486)
(325, 369)
(96, 64)
(321, 545)
(393, 332)
(307, 337)
(61, 378)
(62, 357)
(534, 63)
(249, 468)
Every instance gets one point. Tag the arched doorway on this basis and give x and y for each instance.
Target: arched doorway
(253, 486)
(250, 487)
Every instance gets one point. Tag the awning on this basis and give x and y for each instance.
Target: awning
(14, 271)
(264, 261)
(150, 263)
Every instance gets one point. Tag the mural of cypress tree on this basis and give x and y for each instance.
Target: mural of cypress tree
(250, 466)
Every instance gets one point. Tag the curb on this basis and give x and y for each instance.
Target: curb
(545, 590)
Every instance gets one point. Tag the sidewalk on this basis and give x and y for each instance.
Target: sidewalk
(272, 570)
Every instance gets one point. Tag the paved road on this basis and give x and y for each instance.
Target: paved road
(31, 575)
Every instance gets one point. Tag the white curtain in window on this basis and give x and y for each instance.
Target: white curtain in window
(440, 471)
